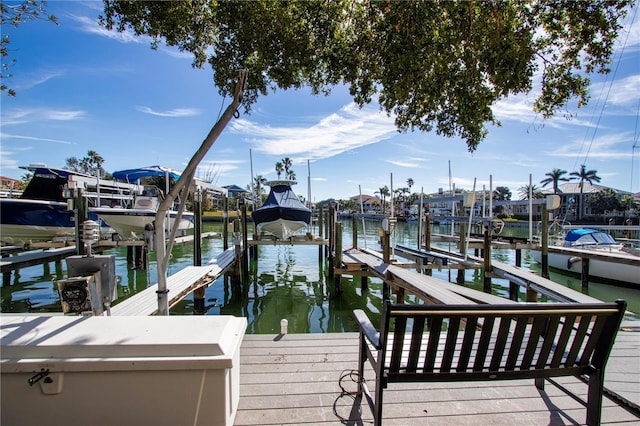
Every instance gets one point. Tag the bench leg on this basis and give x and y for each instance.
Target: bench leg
(362, 358)
(539, 383)
(594, 397)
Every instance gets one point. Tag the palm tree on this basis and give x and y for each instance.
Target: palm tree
(384, 192)
(259, 183)
(291, 175)
(628, 203)
(286, 162)
(279, 168)
(535, 191)
(555, 176)
(584, 175)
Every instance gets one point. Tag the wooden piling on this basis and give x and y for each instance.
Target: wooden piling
(354, 227)
(320, 247)
(584, 276)
(463, 250)
(514, 287)
(487, 261)
(225, 224)
(197, 230)
(337, 278)
(544, 240)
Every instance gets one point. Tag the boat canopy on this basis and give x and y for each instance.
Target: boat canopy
(586, 236)
(134, 175)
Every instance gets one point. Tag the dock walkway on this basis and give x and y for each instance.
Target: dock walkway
(25, 260)
(295, 379)
(179, 285)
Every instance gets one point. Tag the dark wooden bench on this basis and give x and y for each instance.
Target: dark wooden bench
(446, 343)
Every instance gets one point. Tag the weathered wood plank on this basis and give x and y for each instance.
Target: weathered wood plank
(179, 285)
(293, 379)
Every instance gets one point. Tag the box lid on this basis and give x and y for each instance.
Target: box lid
(37, 337)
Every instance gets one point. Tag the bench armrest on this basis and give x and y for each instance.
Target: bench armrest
(367, 328)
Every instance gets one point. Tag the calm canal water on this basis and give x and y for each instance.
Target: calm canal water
(287, 282)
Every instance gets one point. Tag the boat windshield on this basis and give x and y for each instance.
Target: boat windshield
(588, 237)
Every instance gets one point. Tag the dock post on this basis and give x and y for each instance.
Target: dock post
(584, 276)
(513, 287)
(321, 246)
(337, 278)
(237, 249)
(46, 269)
(487, 261)
(80, 204)
(245, 240)
(331, 228)
(197, 229)
(198, 301)
(130, 256)
(463, 250)
(427, 232)
(544, 240)
(225, 224)
(354, 227)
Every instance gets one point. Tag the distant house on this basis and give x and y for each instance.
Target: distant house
(8, 187)
(233, 190)
(570, 198)
(370, 203)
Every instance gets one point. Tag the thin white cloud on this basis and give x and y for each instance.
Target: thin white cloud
(611, 146)
(347, 129)
(38, 80)
(22, 116)
(177, 112)
(33, 138)
(91, 26)
(408, 164)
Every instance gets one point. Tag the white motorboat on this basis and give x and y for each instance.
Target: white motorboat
(282, 214)
(42, 213)
(132, 222)
(603, 268)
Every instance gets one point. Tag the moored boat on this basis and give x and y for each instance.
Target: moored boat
(132, 222)
(42, 212)
(282, 214)
(603, 268)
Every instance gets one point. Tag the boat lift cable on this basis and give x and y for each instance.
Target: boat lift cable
(610, 82)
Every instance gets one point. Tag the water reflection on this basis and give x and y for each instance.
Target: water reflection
(285, 282)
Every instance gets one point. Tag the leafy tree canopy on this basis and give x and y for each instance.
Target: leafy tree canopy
(433, 65)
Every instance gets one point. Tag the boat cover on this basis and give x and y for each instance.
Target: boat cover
(586, 236)
(282, 203)
(134, 175)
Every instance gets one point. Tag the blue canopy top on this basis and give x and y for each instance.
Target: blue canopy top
(134, 175)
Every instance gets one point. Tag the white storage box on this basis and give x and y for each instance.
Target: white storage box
(168, 370)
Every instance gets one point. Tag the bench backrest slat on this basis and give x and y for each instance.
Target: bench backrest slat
(467, 343)
(547, 346)
(489, 341)
(434, 339)
(483, 344)
(416, 341)
(501, 343)
(583, 324)
(516, 343)
(561, 344)
(450, 344)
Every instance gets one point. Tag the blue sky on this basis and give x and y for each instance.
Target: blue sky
(80, 88)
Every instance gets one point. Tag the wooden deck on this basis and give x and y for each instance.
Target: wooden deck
(295, 379)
